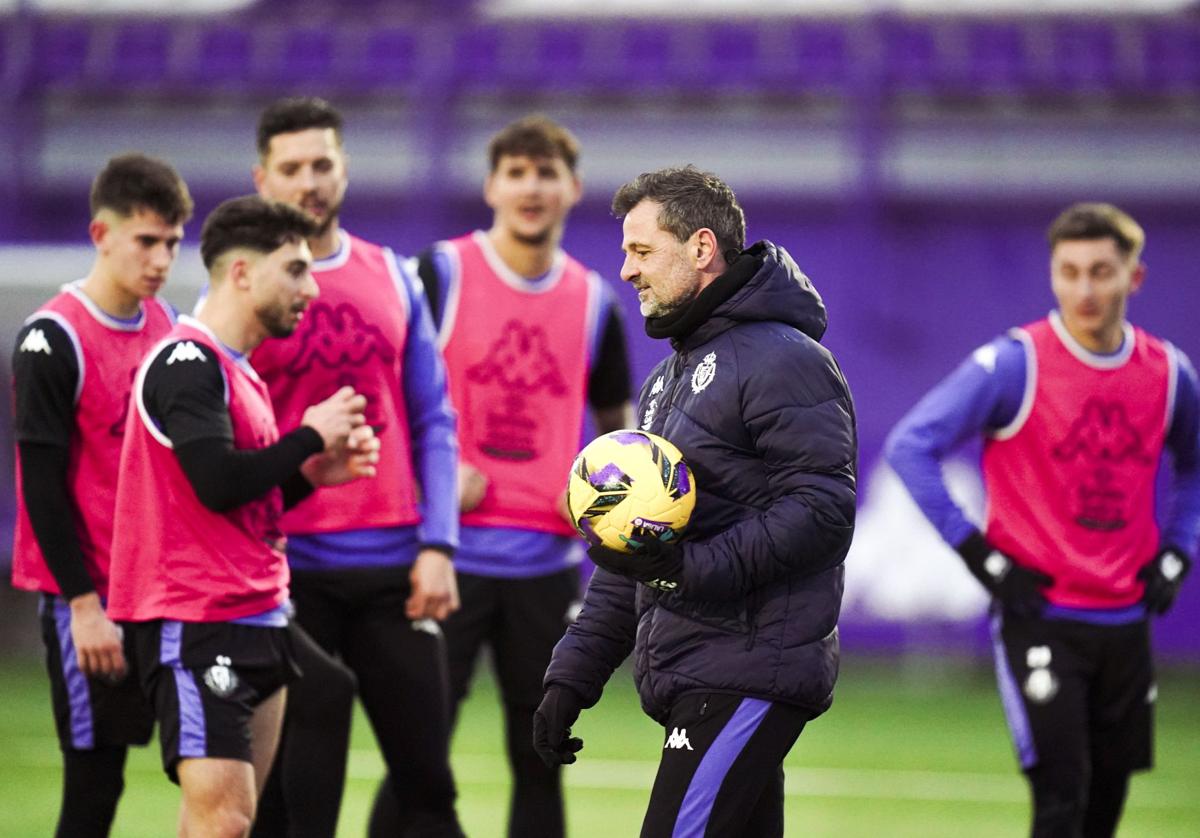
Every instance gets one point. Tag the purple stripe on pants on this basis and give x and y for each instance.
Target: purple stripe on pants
(697, 804)
(192, 732)
(79, 702)
(1010, 698)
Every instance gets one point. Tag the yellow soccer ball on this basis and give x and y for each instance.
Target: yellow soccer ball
(630, 486)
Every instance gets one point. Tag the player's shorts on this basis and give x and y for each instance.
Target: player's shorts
(1075, 692)
(205, 681)
(90, 712)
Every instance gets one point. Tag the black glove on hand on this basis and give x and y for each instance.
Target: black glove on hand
(1018, 588)
(552, 726)
(658, 564)
(1163, 575)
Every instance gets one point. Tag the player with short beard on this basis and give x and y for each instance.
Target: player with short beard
(371, 563)
(72, 370)
(199, 579)
(531, 338)
(1075, 411)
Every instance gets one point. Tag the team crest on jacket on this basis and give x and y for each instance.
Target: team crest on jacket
(220, 679)
(705, 372)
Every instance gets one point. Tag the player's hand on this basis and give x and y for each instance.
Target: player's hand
(552, 722)
(355, 459)
(97, 639)
(1020, 589)
(472, 486)
(336, 417)
(658, 564)
(1163, 575)
(434, 587)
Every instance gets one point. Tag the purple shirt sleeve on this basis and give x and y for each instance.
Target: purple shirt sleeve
(431, 421)
(1182, 525)
(983, 394)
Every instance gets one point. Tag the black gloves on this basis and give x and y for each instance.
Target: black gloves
(552, 726)
(1163, 575)
(1018, 588)
(658, 564)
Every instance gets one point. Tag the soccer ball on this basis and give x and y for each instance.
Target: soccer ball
(629, 486)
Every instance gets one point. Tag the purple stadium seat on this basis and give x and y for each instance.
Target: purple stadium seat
(822, 53)
(477, 56)
(997, 60)
(223, 57)
(1171, 56)
(733, 59)
(1083, 55)
(911, 56)
(141, 53)
(643, 60)
(562, 57)
(62, 51)
(388, 59)
(305, 56)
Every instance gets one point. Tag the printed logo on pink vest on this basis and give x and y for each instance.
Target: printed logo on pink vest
(519, 365)
(339, 339)
(1101, 438)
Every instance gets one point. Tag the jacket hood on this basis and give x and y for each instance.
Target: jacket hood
(762, 283)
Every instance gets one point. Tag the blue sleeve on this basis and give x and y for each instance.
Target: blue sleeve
(599, 640)
(431, 421)
(1182, 525)
(983, 394)
(442, 270)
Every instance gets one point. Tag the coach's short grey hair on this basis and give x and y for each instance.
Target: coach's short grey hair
(691, 200)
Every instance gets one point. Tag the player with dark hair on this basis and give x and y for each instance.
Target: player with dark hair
(530, 337)
(733, 629)
(72, 370)
(371, 562)
(1075, 411)
(199, 578)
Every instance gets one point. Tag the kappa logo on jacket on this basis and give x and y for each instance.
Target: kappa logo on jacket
(678, 740)
(185, 351)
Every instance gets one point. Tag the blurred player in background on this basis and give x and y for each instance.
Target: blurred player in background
(531, 337)
(733, 630)
(72, 370)
(371, 562)
(199, 579)
(1075, 410)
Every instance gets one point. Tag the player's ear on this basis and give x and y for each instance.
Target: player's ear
(704, 247)
(97, 230)
(239, 272)
(259, 174)
(1138, 278)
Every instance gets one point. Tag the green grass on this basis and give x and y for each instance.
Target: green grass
(917, 749)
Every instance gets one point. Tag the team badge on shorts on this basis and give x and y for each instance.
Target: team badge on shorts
(1042, 685)
(705, 372)
(220, 679)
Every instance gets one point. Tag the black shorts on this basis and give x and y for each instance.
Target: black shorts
(205, 680)
(90, 712)
(721, 771)
(1077, 693)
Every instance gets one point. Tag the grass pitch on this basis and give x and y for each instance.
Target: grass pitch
(916, 748)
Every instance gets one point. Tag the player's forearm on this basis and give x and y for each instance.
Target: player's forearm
(224, 477)
(52, 515)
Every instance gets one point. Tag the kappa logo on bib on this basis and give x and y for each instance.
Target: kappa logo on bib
(522, 366)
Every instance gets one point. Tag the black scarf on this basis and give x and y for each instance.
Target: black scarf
(687, 318)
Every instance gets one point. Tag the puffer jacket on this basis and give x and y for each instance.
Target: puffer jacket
(764, 418)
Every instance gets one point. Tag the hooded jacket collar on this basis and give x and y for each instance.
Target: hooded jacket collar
(762, 283)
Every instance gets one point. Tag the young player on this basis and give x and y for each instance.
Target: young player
(1075, 411)
(72, 370)
(734, 629)
(199, 578)
(530, 338)
(371, 562)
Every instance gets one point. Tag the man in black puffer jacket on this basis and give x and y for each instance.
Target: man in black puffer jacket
(734, 629)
